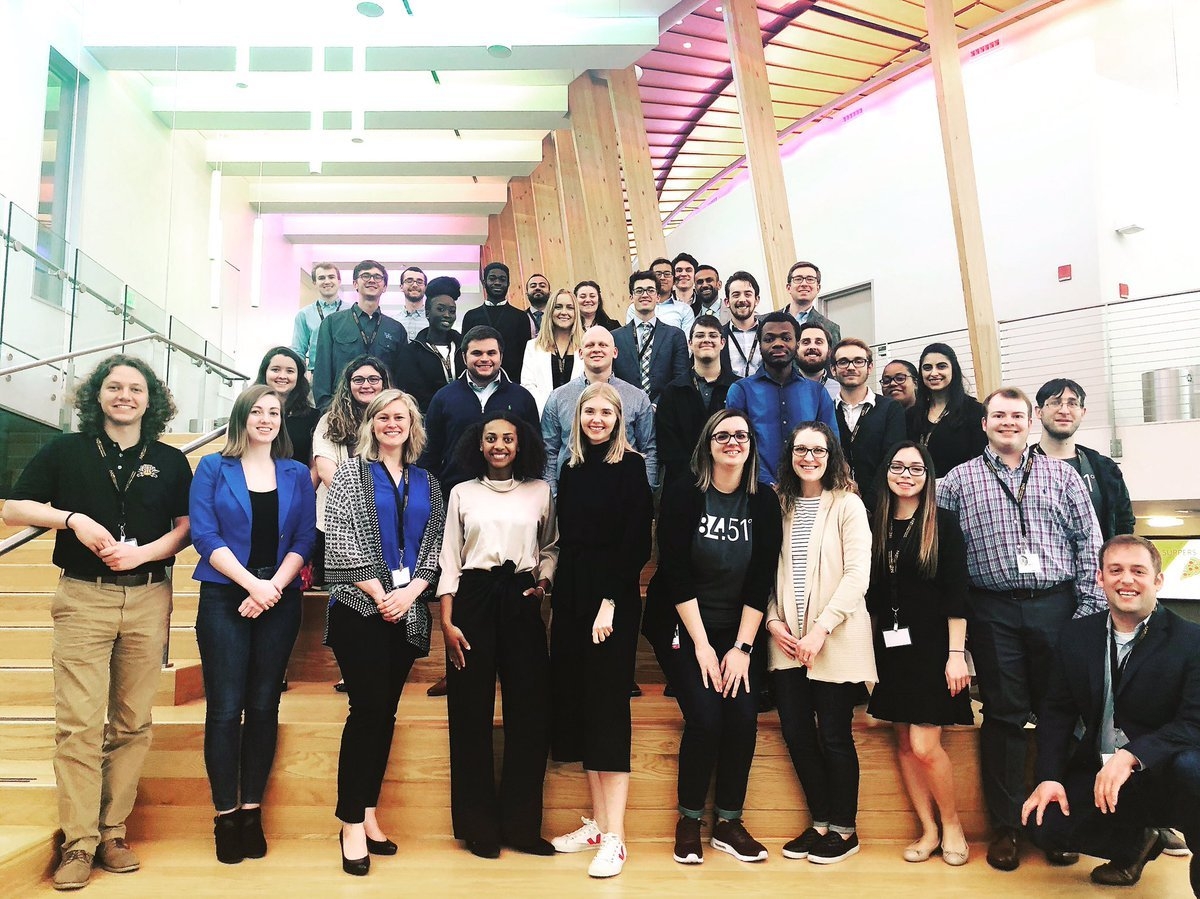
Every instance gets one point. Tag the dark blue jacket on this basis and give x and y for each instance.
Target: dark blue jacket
(668, 356)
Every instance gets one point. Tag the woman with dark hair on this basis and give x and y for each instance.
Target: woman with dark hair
(945, 418)
(604, 515)
(899, 382)
(498, 557)
(718, 538)
(253, 515)
(917, 602)
(283, 371)
(820, 652)
(591, 307)
(385, 520)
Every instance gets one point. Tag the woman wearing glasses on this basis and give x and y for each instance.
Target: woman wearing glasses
(917, 604)
(944, 417)
(820, 650)
(718, 537)
(899, 382)
(550, 357)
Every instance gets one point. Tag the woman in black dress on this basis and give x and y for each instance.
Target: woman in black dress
(284, 371)
(604, 515)
(945, 418)
(917, 603)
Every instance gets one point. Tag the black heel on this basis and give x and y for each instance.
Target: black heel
(227, 831)
(254, 841)
(359, 867)
(381, 847)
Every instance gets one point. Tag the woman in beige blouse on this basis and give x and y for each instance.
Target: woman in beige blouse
(498, 557)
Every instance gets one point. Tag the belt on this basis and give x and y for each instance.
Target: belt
(121, 580)
(1064, 587)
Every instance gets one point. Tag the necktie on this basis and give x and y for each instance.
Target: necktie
(647, 334)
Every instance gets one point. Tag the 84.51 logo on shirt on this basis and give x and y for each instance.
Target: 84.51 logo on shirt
(719, 527)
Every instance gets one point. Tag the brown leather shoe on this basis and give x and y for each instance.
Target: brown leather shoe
(438, 689)
(1002, 853)
(1061, 859)
(1110, 874)
(116, 857)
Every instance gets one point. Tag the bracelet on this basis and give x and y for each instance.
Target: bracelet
(67, 522)
(611, 602)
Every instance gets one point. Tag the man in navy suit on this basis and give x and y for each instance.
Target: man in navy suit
(1119, 734)
(650, 353)
(870, 424)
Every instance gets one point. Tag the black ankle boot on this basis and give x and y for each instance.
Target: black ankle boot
(227, 831)
(254, 841)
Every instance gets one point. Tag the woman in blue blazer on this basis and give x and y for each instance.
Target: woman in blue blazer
(253, 514)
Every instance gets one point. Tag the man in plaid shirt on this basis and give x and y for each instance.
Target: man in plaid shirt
(1032, 544)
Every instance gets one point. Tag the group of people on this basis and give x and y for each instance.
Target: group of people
(814, 537)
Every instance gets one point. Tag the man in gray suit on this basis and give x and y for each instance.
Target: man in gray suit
(803, 285)
(650, 353)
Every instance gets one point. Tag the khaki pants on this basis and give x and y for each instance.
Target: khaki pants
(107, 653)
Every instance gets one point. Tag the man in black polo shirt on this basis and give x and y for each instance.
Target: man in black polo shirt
(118, 499)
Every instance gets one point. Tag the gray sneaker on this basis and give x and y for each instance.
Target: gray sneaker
(116, 857)
(74, 870)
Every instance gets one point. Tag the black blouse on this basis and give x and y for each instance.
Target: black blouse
(956, 439)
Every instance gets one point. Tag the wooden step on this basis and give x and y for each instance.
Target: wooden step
(34, 643)
(27, 855)
(30, 684)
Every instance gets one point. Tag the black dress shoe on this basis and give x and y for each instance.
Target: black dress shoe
(635, 691)
(1111, 874)
(381, 847)
(536, 846)
(1061, 859)
(1002, 852)
(359, 867)
(484, 848)
(340, 686)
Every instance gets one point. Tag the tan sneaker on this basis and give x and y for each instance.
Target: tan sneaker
(74, 870)
(116, 857)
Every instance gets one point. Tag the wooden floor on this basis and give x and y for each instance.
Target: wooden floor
(310, 867)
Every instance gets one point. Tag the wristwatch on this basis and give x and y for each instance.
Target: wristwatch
(747, 648)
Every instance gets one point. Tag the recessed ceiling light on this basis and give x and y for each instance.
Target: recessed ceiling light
(687, 45)
(241, 85)
(720, 9)
(370, 10)
(638, 72)
(499, 51)
(1164, 521)
(356, 140)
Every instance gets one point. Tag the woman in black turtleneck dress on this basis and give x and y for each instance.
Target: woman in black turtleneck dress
(604, 516)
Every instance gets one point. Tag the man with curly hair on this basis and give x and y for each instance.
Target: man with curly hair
(118, 500)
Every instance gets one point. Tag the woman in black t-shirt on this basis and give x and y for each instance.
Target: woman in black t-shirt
(718, 541)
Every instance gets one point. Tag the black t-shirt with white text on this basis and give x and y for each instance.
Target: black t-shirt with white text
(721, 551)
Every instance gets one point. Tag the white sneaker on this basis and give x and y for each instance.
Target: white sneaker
(610, 859)
(580, 840)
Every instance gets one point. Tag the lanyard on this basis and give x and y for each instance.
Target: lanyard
(321, 311)
(928, 435)
(893, 558)
(858, 422)
(367, 344)
(445, 360)
(748, 360)
(1020, 494)
(121, 491)
(401, 506)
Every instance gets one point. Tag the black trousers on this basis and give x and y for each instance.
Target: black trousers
(375, 660)
(1012, 642)
(1165, 796)
(508, 640)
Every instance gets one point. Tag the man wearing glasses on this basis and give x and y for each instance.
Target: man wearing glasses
(362, 328)
(803, 285)
(869, 423)
(650, 353)
(412, 316)
(670, 310)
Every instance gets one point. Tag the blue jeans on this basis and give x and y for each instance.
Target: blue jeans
(243, 660)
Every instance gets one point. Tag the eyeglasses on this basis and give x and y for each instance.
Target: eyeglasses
(917, 470)
(373, 380)
(817, 452)
(661, 275)
(366, 277)
(804, 279)
(857, 362)
(723, 437)
(644, 291)
(1057, 402)
(409, 282)
(899, 380)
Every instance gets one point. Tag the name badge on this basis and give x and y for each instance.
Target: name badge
(401, 577)
(1029, 563)
(897, 636)
(130, 541)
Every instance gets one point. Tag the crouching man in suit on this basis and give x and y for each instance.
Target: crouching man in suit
(1119, 736)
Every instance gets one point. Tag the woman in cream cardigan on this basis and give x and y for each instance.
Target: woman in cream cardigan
(550, 357)
(821, 650)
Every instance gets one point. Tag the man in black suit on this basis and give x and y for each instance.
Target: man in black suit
(514, 324)
(869, 423)
(650, 353)
(1119, 734)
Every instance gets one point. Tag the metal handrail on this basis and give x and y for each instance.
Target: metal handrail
(213, 365)
(32, 533)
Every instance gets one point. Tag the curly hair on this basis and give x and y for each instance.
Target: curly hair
(837, 473)
(160, 406)
(300, 397)
(530, 463)
(345, 412)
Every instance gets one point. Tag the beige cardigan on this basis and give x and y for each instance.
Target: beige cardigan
(839, 569)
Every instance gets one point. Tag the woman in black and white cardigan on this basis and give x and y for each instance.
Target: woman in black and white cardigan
(383, 532)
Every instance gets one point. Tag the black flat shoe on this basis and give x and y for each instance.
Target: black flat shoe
(359, 867)
(536, 846)
(381, 847)
(483, 848)
(340, 686)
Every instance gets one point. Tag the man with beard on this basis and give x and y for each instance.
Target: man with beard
(741, 355)
(432, 359)
(328, 281)
(412, 316)
(537, 292)
(899, 382)
(514, 324)
(777, 399)
(803, 285)
(812, 356)
(708, 295)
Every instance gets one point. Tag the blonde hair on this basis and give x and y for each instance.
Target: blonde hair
(545, 337)
(618, 443)
(367, 442)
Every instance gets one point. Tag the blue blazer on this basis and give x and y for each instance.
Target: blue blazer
(219, 510)
(668, 356)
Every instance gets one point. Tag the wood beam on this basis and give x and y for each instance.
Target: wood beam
(544, 181)
(636, 165)
(594, 127)
(529, 251)
(489, 251)
(509, 255)
(577, 227)
(762, 144)
(964, 196)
